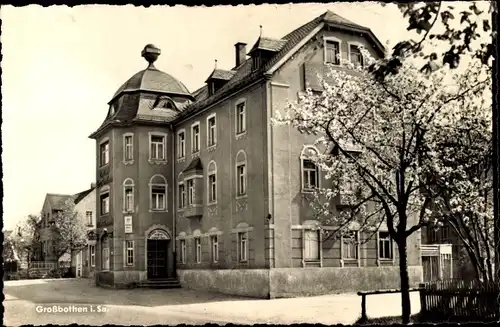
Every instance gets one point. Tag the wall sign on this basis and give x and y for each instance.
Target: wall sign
(128, 224)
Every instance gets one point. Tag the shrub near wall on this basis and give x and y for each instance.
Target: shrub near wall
(291, 282)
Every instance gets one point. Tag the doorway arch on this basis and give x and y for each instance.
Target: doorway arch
(158, 239)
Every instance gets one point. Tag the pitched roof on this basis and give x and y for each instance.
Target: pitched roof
(265, 43)
(225, 75)
(57, 201)
(80, 196)
(243, 74)
(195, 164)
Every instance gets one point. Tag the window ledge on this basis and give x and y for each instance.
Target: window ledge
(212, 204)
(125, 212)
(180, 160)
(158, 210)
(128, 162)
(241, 135)
(180, 209)
(385, 259)
(212, 148)
(195, 154)
(104, 166)
(239, 197)
(104, 215)
(157, 162)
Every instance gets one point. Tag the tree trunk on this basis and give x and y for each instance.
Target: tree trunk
(405, 281)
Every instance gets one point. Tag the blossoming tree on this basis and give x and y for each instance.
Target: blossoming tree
(383, 140)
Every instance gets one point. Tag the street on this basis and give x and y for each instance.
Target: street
(177, 306)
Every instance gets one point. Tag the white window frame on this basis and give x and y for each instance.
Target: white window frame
(195, 142)
(211, 171)
(182, 246)
(129, 247)
(237, 117)
(327, 39)
(214, 242)
(128, 184)
(164, 144)
(152, 201)
(105, 255)
(181, 195)
(104, 192)
(210, 142)
(243, 246)
(197, 249)
(128, 148)
(90, 218)
(241, 179)
(384, 241)
(92, 255)
(181, 144)
(106, 143)
(356, 246)
(190, 191)
(359, 45)
(308, 245)
(304, 157)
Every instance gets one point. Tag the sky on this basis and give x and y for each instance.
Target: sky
(62, 65)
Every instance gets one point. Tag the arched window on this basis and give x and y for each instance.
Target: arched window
(128, 195)
(182, 192)
(158, 193)
(212, 182)
(310, 171)
(105, 253)
(241, 173)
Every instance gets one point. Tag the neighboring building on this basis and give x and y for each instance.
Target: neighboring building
(81, 262)
(200, 184)
(444, 255)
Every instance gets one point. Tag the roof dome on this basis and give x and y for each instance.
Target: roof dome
(151, 79)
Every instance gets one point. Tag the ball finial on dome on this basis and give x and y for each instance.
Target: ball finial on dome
(150, 53)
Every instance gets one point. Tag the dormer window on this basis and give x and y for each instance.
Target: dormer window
(111, 110)
(256, 61)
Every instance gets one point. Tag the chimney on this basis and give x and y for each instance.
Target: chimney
(241, 53)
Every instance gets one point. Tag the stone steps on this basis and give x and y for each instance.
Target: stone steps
(160, 283)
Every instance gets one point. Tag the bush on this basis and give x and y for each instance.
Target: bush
(59, 273)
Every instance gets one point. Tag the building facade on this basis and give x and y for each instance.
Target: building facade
(202, 187)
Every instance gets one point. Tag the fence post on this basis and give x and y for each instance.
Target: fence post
(363, 307)
(423, 301)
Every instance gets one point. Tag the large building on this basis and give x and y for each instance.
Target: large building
(202, 187)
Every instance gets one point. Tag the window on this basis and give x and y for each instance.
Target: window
(195, 137)
(105, 254)
(104, 157)
(212, 182)
(129, 246)
(243, 246)
(128, 147)
(211, 130)
(350, 245)
(182, 195)
(88, 216)
(311, 245)
(190, 187)
(92, 255)
(104, 204)
(214, 240)
(241, 173)
(355, 55)
(183, 251)
(181, 144)
(310, 171)
(256, 61)
(197, 246)
(128, 195)
(157, 147)
(241, 118)
(332, 52)
(158, 186)
(384, 245)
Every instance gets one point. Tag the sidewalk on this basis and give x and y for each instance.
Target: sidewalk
(327, 309)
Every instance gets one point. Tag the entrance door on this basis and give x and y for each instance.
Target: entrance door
(79, 264)
(157, 258)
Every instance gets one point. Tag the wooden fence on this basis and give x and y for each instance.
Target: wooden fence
(459, 301)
